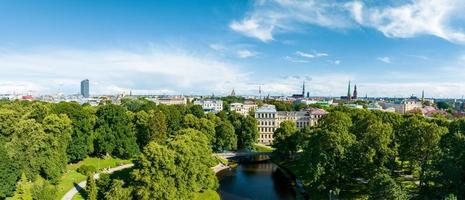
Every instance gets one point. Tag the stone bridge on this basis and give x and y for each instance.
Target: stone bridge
(237, 154)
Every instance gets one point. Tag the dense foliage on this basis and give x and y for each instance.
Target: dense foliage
(39, 139)
(379, 155)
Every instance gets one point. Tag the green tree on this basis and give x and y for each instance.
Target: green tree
(150, 126)
(324, 163)
(382, 186)
(58, 134)
(419, 142)
(117, 191)
(27, 145)
(43, 190)
(91, 188)
(83, 121)
(176, 170)
(23, 189)
(284, 138)
(197, 111)
(115, 134)
(248, 133)
(9, 173)
(448, 168)
(226, 139)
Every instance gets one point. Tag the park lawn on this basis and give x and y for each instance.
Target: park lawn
(207, 195)
(262, 148)
(72, 177)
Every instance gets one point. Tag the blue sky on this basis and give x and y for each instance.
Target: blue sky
(394, 48)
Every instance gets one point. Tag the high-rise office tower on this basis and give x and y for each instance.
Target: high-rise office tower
(85, 88)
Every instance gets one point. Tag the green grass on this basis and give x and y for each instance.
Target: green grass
(207, 195)
(262, 148)
(72, 177)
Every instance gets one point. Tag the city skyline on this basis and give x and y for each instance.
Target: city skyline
(394, 48)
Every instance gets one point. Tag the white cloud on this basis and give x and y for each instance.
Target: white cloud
(245, 53)
(311, 55)
(110, 71)
(392, 18)
(337, 62)
(422, 17)
(252, 28)
(385, 59)
(295, 60)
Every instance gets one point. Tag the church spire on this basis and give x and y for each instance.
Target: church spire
(348, 92)
(303, 89)
(354, 96)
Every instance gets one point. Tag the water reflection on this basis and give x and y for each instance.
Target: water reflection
(249, 180)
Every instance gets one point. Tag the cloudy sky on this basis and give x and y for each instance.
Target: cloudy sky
(388, 48)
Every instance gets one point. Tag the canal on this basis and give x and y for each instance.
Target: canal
(255, 180)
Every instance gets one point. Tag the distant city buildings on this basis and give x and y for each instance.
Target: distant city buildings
(269, 119)
(175, 100)
(210, 105)
(85, 88)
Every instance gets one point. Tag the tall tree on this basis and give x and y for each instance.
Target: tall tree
(115, 133)
(175, 170)
(23, 189)
(91, 188)
(419, 142)
(9, 173)
(83, 121)
(284, 138)
(248, 134)
(58, 134)
(226, 139)
(382, 186)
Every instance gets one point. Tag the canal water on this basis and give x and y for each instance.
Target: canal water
(255, 180)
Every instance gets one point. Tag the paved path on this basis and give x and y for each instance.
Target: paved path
(219, 167)
(70, 194)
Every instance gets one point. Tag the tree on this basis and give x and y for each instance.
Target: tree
(443, 105)
(324, 163)
(419, 142)
(150, 126)
(23, 189)
(26, 147)
(42, 189)
(58, 134)
(382, 186)
(284, 138)
(83, 121)
(9, 173)
(226, 139)
(448, 167)
(248, 133)
(91, 188)
(115, 133)
(175, 170)
(117, 191)
(197, 111)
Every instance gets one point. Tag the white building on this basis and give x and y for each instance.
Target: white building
(210, 105)
(269, 120)
(177, 100)
(243, 108)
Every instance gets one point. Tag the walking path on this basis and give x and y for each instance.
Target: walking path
(220, 167)
(70, 194)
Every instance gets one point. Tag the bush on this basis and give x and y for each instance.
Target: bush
(87, 170)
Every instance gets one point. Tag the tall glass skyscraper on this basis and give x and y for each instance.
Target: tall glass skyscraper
(85, 88)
